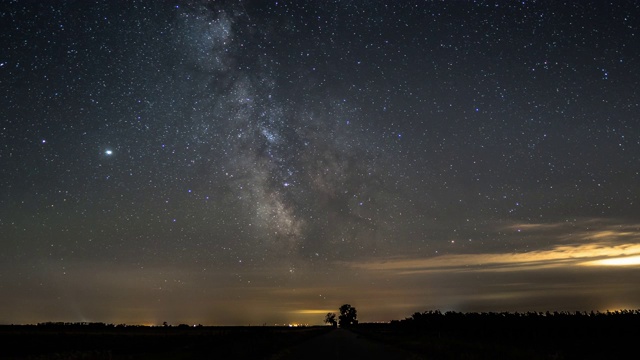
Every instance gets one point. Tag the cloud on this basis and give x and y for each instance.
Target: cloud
(580, 230)
(559, 256)
(599, 244)
(618, 261)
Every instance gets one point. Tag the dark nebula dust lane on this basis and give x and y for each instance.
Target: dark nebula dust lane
(223, 162)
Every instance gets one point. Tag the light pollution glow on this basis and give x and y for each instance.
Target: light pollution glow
(620, 261)
(587, 269)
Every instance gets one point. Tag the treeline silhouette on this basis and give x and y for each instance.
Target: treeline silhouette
(527, 335)
(528, 321)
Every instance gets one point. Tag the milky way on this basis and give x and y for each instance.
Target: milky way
(191, 160)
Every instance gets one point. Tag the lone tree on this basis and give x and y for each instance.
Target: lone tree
(348, 316)
(330, 318)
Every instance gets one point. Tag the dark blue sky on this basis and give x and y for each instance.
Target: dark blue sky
(225, 162)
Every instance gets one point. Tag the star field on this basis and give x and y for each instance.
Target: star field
(264, 161)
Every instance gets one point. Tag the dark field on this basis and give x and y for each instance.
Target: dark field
(428, 335)
(109, 342)
(435, 335)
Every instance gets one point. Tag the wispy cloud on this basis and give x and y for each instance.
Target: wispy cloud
(579, 230)
(594, 243)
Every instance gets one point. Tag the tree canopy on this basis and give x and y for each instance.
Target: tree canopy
(330, 318)
(348, 315)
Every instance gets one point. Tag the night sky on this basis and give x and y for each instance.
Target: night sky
(251, 162)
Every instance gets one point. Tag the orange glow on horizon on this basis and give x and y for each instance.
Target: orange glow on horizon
(313, 311)
(618, 261)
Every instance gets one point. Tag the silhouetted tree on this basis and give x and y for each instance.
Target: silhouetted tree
(348, 316)
(330, 318)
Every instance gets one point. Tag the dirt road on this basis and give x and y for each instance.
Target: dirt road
(342, 344)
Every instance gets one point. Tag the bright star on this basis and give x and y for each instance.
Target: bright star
(108, 152)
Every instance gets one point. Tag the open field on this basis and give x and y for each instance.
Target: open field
(137, 342)
(430, 335)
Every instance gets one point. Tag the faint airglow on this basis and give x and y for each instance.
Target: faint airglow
(619, 261)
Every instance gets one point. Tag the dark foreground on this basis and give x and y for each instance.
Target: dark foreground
(453, 336)
(429, 335)
(138, 342)
(344, 344)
